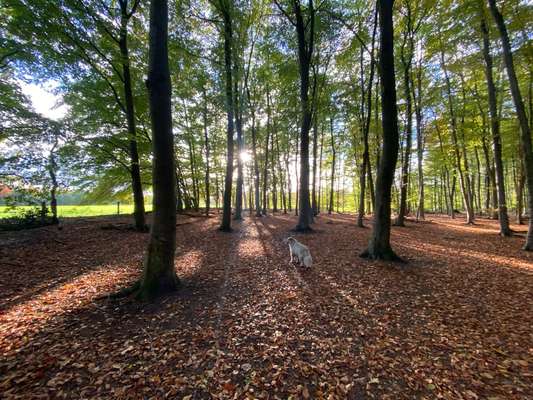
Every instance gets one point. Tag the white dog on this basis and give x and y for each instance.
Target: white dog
(300, 252)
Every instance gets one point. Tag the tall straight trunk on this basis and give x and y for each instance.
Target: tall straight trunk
(265, 166)
(206, 144)
(228, 183)
(400, 220)
(179, 195)
(256, 164)
(288, 175)
(135, 171)
(314, 203)
(52, 168)
(503, 218)
(407, 60)
(366, 170)
(417, 97)
(525, 137)
(480, 198)
(273, 173)
(305, 54)
(520, 193)
(379, 245)
(281, 178)
(194, 178)
(240, 145)
(457, 151)
(159, 275)
(319, 203)
(492, 190)
(469, 184)
(297, 205)
(332, 179)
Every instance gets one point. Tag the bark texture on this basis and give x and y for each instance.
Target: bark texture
(159, 275)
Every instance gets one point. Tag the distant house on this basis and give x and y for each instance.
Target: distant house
(5, 191)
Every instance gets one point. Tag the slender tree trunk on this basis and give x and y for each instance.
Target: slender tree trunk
(206, 144)
(417, 97)
(366, 169)
(240, 146)
(314, 203)
(319, 203)
(273, 173)
(525, 137)
(305, 54)
(228, 183)
(288, 175)
(503, 218)
(265, 167)
(136, 183)
(332, 180)
(52, 168)
(159, 275)
(379, 246)
(256, 166)
(400, 220)
(179, 199)
(462, 175)
(281, 178)
(520, 194)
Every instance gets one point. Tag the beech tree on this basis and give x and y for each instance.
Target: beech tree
(159, 275)
(379, 246)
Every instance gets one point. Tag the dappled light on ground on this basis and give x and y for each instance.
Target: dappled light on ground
(454, 322)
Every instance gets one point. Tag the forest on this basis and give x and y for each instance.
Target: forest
(266, 199)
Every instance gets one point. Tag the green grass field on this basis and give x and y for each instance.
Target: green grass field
(76, 211)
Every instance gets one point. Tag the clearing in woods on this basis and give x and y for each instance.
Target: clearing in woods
(455, 322)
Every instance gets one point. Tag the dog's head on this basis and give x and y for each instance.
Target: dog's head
(290, 239)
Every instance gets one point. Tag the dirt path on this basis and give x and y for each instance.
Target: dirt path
(455, 323)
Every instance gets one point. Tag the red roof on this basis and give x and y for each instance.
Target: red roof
(5, 191)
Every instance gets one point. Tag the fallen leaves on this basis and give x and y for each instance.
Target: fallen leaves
(454, 323)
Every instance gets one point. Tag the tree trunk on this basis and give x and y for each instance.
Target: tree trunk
(288, 175)
(366, 170)
(240, 147)
(334, 153)
(520, 195)
(52, 168)
(305, 53)
(462, 176)
(159, 275)
(525, 137)
(228, 183)
(136, 183)
(206, 144)
(379, 245)
(314, 203)
(273, 173)
(265, 166)
(417, 97)
(496, 138)
(400, 220)
(256, 164)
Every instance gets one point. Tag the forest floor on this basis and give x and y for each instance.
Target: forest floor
(455, 322)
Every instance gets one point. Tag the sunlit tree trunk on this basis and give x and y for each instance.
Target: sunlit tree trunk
(333, 163)
(206, 144)
(159, 275)
(525, 137)
(496, 138)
